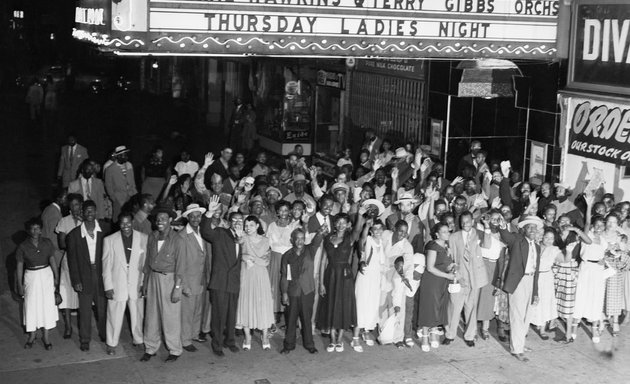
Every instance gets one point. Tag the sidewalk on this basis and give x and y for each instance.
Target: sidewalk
(488, 362)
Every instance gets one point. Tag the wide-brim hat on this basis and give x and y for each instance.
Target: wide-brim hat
(256, 199)
(164, 209)
(376, 203)
(406, 196)
(563, 185)
(299, 178)
(193, 208)
(401, 152)
(531, 219)
(337, 186)
(120, 150)
(275, 190)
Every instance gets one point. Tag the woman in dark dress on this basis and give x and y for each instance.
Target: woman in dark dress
(433, 300)
(337, 308)
(155, 172)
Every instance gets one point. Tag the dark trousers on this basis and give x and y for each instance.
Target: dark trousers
(409, 311)
(97, 296)
(223, 318)
(301, 306)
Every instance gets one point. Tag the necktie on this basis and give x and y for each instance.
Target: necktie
(88, 189)
(466, 247)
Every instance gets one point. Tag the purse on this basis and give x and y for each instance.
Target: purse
(454, 287)
(58, 298)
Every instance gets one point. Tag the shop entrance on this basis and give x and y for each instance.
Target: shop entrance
(328, 121)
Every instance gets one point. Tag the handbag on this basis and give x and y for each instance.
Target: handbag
(58, 298)
(386, 332)
(454, 287)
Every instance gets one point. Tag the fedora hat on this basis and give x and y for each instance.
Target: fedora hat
(376, 203)
(401, 152)
(531, 219)
(120, 150)
(406, 196)
(338, 186)
(298, 178)
(274, 190)
(193, 208)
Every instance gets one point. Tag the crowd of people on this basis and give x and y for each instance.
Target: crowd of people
(385, 248)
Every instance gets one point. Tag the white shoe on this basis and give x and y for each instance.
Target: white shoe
(356, 345)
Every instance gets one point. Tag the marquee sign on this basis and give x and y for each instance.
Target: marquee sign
(360, 28)
(600, 54)
(599, 130)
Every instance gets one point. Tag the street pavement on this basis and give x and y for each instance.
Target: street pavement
(28, 155)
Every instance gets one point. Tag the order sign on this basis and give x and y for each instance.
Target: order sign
(363, 28)
(600, 130)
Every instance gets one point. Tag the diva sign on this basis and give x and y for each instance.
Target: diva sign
(600, 130)
(341, 28)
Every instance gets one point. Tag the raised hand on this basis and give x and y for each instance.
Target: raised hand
(457, 180)
(496, 203)
(214, 203)
(313, 172)
(172, 180)
(208, 159)
(395, 173)
(533, 199)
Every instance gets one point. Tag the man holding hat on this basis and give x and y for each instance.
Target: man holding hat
(197, 261)
(299, 193)
(340, 192)
(120, 182)
(521, 278)
(163, 278)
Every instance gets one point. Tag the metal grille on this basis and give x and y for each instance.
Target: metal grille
(393, 106)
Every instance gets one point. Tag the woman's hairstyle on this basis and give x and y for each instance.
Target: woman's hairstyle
(340, 216)
(282, 203)
(553, 232)
(613, 214)
(436, 229)
(254, 219)
(33, 221)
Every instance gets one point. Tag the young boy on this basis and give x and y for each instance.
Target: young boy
(406, 282)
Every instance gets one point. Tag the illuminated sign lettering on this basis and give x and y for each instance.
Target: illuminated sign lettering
(91, 16)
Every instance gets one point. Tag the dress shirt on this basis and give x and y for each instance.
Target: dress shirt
(238, 245)
(91, 241)
(160, 244)
(86, 186)
(190, 229)
(127, 242)
(379, 192)
(530, 267)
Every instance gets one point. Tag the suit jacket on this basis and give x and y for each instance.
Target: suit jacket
(416, 230)
(226, 264)
(518, 247)
(50, 218)
(79, 262)
(194, 274)
(471, 272)
(97, 193)
(120, 187)
(125, 279)
(68, 166)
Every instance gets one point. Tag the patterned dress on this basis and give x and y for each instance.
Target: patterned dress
(565, 277)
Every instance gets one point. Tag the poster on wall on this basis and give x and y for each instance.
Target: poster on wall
(436, 137)
(537, 162)
(599, 130)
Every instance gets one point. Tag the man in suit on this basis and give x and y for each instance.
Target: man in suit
(471, 275)
(72, 154)
(195, 251)
(470, 159)
(298, 288)
(85, 262)
(51, 215)
(225, 279)
(120, 182)
(406, 203)
(123, 263)
(521, 278)
(90, 187)
(162, 286)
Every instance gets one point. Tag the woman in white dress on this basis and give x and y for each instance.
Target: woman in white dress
(37, 284)
(547, 307)
(368, 282)
(70, 299)
(255, 306)
(591, 284)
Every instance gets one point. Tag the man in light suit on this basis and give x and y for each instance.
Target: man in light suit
(521, 279)
(120, 182)
(195, 251)
(90, 187)
(124, 254)
(84, 245)
(471, 275)
(70, 159)
(226, 276)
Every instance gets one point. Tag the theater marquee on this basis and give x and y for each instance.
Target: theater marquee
(360, 28)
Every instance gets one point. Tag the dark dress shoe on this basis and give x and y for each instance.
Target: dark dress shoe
(190, 348)
(68, 333)
(447, 341)
(485, 335)
(146, 357)
(138, 345)
(28, 345)
(85, 347)
(470, 343)
(218, 353)
(232, 348)
(110, 350)
(312, 350)
(544, 336)
(285, 351)
(171, 358)
(48, 346)
(201, 338)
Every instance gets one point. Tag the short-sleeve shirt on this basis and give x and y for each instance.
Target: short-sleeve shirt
(67, 224)
(35, 256)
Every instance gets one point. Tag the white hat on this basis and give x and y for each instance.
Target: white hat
(531, 219)
(376, 203)
(337, 186)
(562, 185)
(406, 196)
(401, 152)
(193, 208)
(120, 150)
